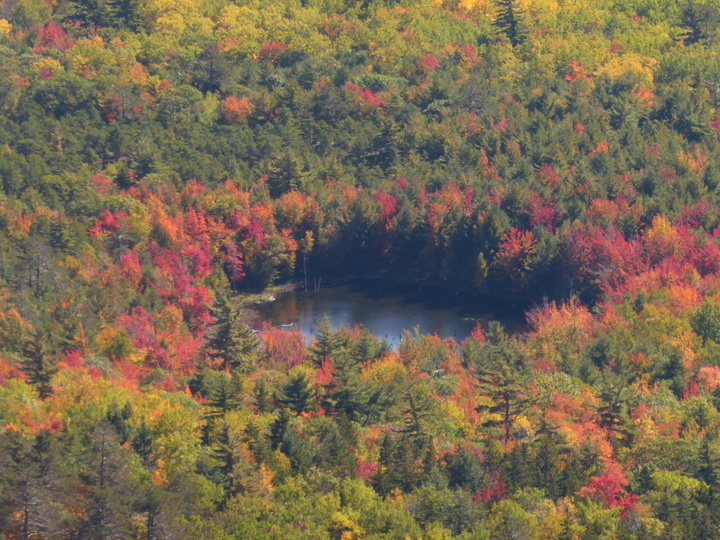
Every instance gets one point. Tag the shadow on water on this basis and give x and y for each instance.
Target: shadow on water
(387, 310)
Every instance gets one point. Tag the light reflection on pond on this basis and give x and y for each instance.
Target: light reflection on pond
(386, 311)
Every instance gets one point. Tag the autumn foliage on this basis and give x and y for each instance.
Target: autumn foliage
(165, 164)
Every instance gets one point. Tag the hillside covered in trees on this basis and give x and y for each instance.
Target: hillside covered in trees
(163, 160)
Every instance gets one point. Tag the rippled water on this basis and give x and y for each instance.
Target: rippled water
(385, 310)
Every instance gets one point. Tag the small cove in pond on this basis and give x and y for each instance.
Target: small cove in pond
(386, 310)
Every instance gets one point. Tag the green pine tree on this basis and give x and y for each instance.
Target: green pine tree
(126, 13)
(614, 410)
(465, 471)
(297, 450)
(297, 394)
(118, 419)
(142, 441)
(222, 392)
(367, 347)
(418, 405)
(286, 171)
(263, 397)
(92, 12)
(549, 447)
(222, 396)
(701, 22)
(280, 425)
(510, 21)
(328, 343)
(224, 452)
(502, 378)
(232, 345)
(38, 363)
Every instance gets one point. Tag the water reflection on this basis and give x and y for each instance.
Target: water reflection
(385, 311)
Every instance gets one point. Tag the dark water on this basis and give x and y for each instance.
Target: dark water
(385, 310)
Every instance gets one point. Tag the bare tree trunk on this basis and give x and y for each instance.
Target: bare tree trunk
(26, 519)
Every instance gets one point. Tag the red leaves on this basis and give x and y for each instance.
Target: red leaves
(429, 63)
(130, 268)
(272, 51)
(435, 217)
(236, 109)
(52, 36)
(478, 333)
(548, 174)
(472, 124)
(692, 390)
(388, 206)
(177, 283)
(542, 212)
(571, 321)
(324, 375)
(515, 246)
(256, 233)
(113, 107)
(470, 54)
(8, 371)
(501, 126)
(487, 169)
(706, 257)
(144, 333)
(694, 216)
(616, 212)
(493, 491)
(200, 261)
(195, 226)
(514, 260)
(162, 339)
(103, 185)
(604, 258)
(109, 222)
(577, 72)
(283, 349)
(364, 98)
(233, 262)
(366, 469)
(609, 488)
(602, 148)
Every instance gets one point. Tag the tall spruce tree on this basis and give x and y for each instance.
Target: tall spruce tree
(701, 22)
(417, 405)
(328, 343)
(127, 13)
(297, 394)
(36, 488)
(510, 21)
(615, 407)
(38, 363)
(222, 392)
(109, 473)
(224, 451)
(222, 396)
(502, 377)
(232, 345)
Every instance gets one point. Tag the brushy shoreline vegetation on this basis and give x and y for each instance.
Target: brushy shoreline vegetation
(161, 160)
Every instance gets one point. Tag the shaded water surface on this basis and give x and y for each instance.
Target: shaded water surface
(385, 310)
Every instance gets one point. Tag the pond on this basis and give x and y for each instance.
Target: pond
(386, 310)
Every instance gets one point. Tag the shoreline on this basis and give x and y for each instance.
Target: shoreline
(412, 291)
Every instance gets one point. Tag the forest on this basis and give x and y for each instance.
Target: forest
(164, 162)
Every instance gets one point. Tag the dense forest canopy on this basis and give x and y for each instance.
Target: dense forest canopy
(163, 160)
